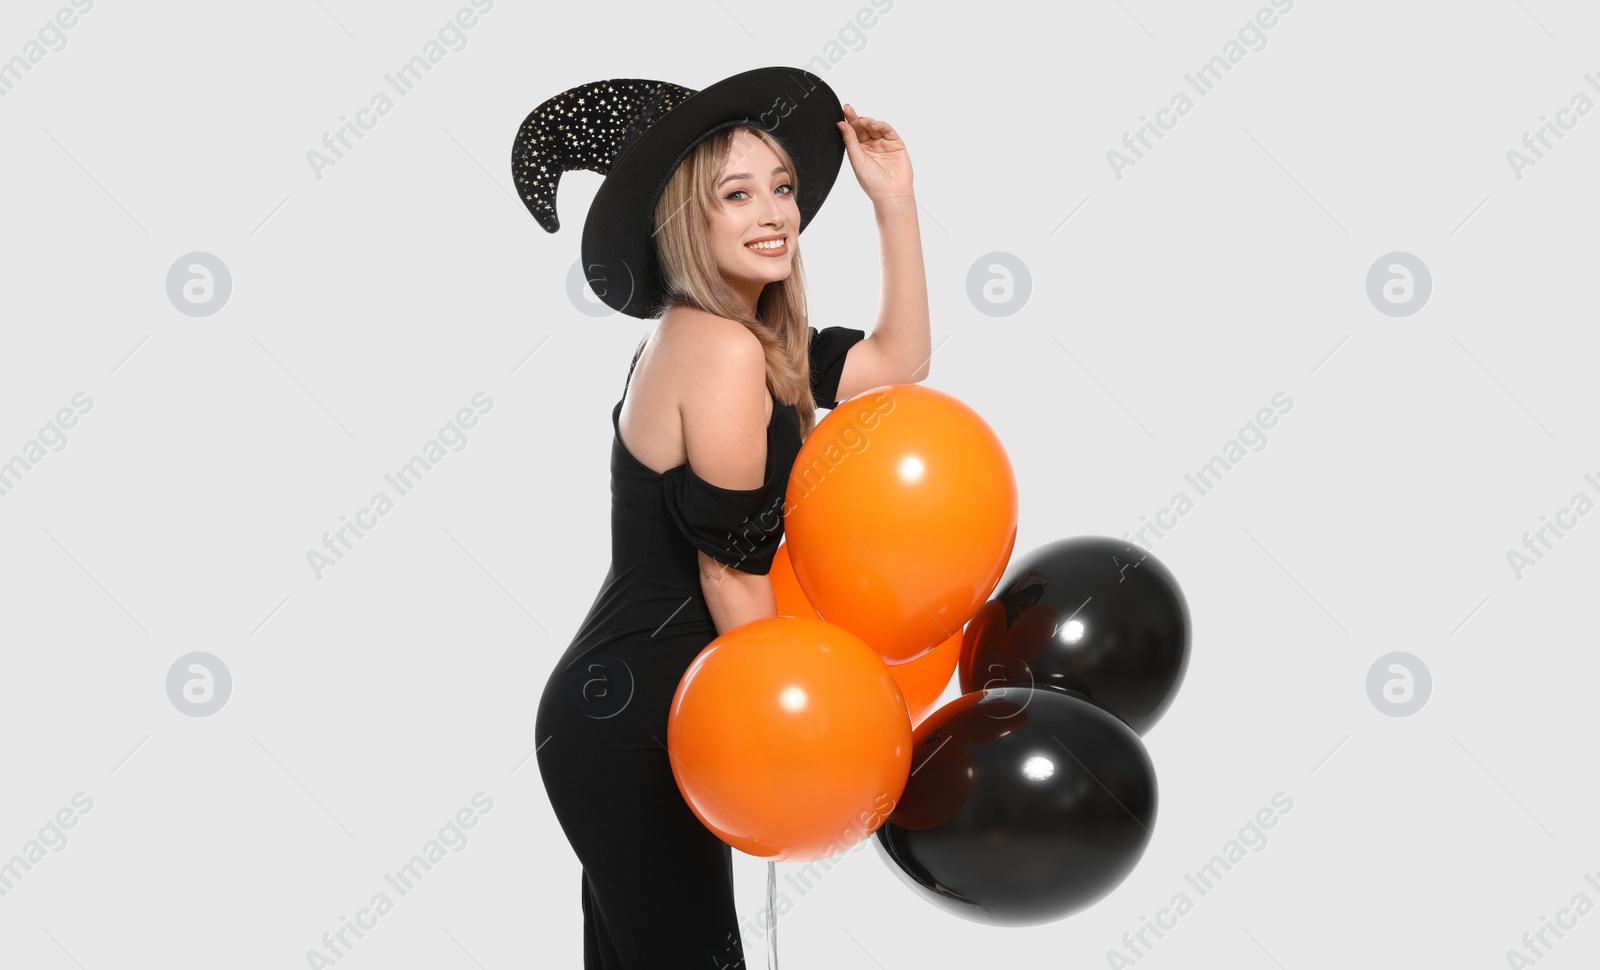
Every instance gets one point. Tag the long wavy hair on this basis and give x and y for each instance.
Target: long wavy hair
(689, 270)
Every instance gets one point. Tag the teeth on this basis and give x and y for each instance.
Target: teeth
(771, 244)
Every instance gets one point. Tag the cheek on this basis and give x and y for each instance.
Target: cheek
(724, 235)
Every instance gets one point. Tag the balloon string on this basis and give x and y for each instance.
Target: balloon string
(772, 915)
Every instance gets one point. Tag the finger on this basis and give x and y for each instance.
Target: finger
(852, 144)
(854, 120)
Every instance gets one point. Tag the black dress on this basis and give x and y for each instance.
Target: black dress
(657, 888)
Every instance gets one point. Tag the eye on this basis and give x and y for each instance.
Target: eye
(786, 185)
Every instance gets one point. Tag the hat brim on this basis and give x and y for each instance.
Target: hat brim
(619, 252)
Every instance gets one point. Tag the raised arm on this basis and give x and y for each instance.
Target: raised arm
(900, 345)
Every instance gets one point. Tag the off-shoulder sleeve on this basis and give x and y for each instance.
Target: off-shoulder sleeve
(738, 527)
(828, 349)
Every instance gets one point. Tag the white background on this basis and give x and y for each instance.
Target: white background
(370, 304)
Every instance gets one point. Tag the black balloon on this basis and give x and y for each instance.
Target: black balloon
(1093, 615)
(1023, 806)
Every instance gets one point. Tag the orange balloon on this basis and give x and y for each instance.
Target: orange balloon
(900, 514)
(791, 598)
(789, 739)
(922, 680)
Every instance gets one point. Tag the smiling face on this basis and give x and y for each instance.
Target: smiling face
(755, 204)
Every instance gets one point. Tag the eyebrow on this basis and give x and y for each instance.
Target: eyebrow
(745, 175)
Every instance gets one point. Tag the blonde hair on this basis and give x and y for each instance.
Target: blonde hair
(689, 270)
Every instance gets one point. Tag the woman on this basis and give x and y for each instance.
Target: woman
(693, 472)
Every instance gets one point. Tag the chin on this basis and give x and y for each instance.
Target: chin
(776, 274)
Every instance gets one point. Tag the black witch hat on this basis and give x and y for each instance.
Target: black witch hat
(635, 132)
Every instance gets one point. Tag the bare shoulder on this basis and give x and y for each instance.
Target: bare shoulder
(699, 378)
(724, 402)
(698, 333)
(714, 351)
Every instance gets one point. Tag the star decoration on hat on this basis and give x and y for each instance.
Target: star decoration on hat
(587, 127)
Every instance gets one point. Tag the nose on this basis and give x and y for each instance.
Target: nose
(772, 212)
